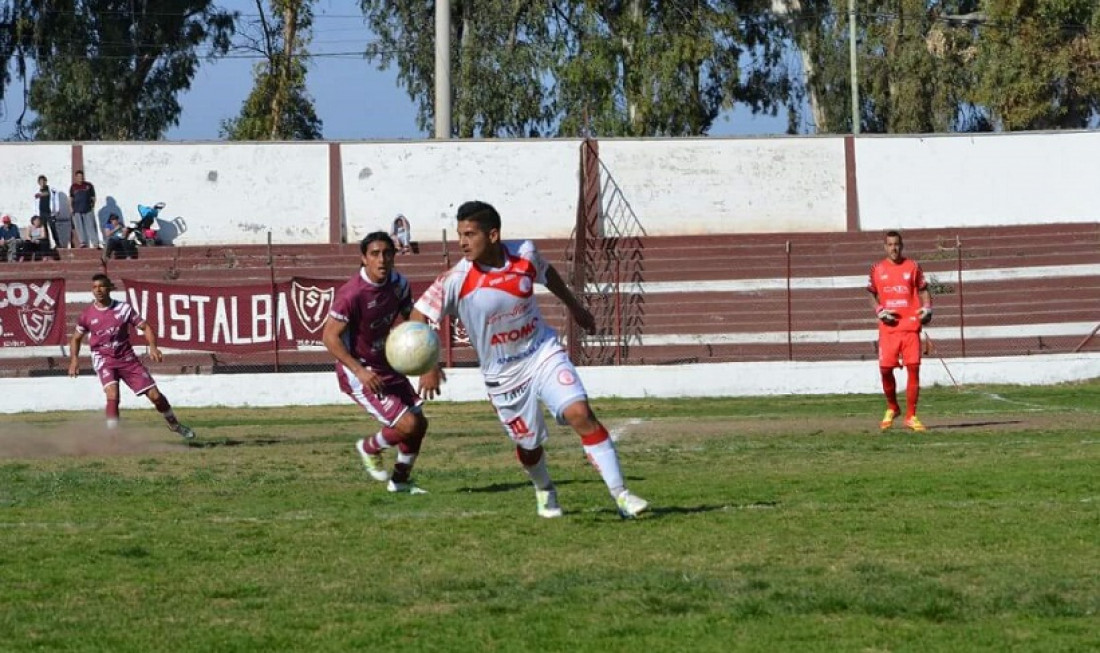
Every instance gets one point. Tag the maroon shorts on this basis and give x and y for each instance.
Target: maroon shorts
(128, 369)
(388, 407)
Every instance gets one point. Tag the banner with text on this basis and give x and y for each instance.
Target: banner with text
(32, 312)
(247, 318)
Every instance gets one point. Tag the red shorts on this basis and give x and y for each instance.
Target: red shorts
(903, 345)
(128, 369)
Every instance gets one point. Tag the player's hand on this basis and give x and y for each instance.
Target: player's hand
(74, 369)
(428, 385)
(155, 355)
(886, 315)
(925, 314)
(584, 319)
(371, 381)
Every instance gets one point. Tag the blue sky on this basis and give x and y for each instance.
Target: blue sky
(353, 98)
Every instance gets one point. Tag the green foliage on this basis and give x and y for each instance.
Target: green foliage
(279, 106)
(112, 69)
(540, 67)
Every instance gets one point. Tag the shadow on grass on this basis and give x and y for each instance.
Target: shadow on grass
(970, 425)
(523, 485)
(662, 511)
(230, 442)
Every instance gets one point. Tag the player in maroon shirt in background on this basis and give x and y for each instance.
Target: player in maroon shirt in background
(107, 325)
(363, 312)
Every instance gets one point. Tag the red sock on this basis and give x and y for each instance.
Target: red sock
(912, 390)
(383, 440)
(890, 388)
(112, 409)
(165, 410)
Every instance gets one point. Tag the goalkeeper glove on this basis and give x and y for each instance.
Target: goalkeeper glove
(885, 314)
(925, 314)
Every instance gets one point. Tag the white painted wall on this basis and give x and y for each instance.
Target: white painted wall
(722, 380)
(532, 183)
(755, 185)
(226, 193)
(991, 179)
(20, 165)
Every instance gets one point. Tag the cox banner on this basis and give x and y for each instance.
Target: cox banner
(241, 319)
(32, 312)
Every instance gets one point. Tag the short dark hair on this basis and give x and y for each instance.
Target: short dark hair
(42, 178)
(893, 233)
(482, 213)
(113, 216)
(375, 236)
(102, 277)
(79, 172)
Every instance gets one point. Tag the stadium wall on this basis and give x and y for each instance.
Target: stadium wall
(236, 193)
(666, 382)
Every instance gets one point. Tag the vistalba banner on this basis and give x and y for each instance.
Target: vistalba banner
(32, 312)
(246, 318)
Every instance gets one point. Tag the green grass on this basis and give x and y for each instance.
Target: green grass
(778, 524)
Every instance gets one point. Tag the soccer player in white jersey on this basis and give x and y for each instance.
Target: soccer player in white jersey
(492, 291)
(107, 323)
(362, 314)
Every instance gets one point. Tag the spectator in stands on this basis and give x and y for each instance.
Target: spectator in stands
(11, 241)
(82, 209)
(37, 241)
(118, 245)
(355, 333)
(903, 305)
(402, 234)
(107, 324)
(144, 231)
(47, 205)
(492, 291)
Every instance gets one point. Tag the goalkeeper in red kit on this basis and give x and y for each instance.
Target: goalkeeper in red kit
(903, 305)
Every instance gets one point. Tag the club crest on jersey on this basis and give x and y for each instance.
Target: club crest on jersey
(311, 304)
(525, 285)
(905, 276)
(566, 377)
(36, 323)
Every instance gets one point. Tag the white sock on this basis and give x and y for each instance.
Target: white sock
(606, 461)
(539, 474)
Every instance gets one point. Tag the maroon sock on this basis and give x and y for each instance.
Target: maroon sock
(165, 410)
(112, 409)
(890, 388)
(912, 390)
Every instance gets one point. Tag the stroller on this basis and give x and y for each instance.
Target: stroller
(144, 231)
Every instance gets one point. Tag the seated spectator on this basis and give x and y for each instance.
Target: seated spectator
(37, 241)
(11, 241)
(119, 244)
(402, 234)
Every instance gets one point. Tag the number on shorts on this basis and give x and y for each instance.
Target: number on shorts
(518, 427)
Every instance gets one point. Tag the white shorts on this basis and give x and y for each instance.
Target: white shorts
(555, 382)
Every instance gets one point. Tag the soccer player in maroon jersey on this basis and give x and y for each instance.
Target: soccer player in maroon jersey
(363, 312)
(902, 304)
(107, 323)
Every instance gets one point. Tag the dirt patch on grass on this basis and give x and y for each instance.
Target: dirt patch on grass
(80, 439)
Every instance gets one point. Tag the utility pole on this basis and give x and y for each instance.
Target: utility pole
(442, 69)
(854, 75)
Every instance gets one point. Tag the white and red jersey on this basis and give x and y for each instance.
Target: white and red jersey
(108, 328)
(897, 286)
(499, 310)
(369, 309)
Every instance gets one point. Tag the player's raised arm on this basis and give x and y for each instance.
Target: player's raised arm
(556, 285)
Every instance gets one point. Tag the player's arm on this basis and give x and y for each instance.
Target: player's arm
(881, 312)
(151, 340)
(556, 285)
(332, 336)
(925, 313)
(430, 381)
(74, 353)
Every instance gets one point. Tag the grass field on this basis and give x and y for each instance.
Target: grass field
(780, 524)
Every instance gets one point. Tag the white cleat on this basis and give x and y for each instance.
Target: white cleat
(546, 502)
(630, 505)
(405, 488)
(373, 463)
(184, 432)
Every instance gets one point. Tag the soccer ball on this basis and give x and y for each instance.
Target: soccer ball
(412, 348)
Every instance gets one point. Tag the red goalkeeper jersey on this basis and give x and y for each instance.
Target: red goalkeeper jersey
(897, 285)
